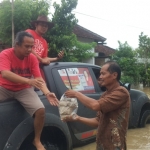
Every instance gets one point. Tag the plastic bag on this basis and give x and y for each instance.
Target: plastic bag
(67, 107)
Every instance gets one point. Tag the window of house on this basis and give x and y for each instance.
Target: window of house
(78, 79)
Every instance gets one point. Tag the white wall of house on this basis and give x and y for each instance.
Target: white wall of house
(84, 40)
(91, 60)
(143, 60)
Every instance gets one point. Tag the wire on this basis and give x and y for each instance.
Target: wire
(110, 21)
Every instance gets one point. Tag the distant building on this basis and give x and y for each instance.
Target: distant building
(102, 52)
(143, 60)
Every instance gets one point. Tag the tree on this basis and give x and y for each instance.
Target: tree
(125, 57)
(79, 52)
(60, 37)
(143, 52)
(23, 15)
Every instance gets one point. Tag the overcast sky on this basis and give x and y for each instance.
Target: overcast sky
(115, 20)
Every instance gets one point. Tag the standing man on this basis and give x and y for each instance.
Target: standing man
(112, 109)
(18, 66)
(40, 49)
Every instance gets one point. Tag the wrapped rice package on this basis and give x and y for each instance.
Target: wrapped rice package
(67, 107)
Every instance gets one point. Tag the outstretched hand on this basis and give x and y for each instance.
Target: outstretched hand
(52, 99)
(70, 118)
(70, 93)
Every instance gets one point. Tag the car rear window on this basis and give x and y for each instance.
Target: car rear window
(78, 79)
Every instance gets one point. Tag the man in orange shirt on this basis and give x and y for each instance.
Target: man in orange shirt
(40, 49)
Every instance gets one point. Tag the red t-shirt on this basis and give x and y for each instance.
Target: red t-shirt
(28, 67)
(40, 44)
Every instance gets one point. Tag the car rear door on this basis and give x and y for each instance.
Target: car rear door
(83, 79)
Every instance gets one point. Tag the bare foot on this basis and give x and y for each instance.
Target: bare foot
(38, 145)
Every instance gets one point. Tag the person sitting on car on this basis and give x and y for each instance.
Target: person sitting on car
(18, 66)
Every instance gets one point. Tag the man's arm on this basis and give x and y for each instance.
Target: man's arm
(49, 95)
(87, 101)
(43, 88)
(89, 121)
(14, 77)
(47, 60)
(60, 56)
(37, 82)
(37, 56)
(53, 59)
(44, 60)
(93, 122)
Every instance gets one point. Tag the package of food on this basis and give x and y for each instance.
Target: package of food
(67, 107)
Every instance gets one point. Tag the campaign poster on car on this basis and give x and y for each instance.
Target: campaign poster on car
(80, 79)
(64, 78)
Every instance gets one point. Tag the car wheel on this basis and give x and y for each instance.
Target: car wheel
(49, 139)
(144, 118)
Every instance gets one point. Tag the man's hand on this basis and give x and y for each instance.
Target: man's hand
(60, 55)
(45, 61)
(38, 83)
(70, 118)
(71, 93)
(52, 99)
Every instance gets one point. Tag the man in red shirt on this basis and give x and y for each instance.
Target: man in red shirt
(19, 72)
(112, 109)
(40, 49)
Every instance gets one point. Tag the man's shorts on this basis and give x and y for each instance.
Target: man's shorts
(27, 98)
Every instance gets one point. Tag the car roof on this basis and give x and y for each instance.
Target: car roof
(69, 64)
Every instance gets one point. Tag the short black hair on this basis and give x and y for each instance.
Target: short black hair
(114, 67)
(20, 37)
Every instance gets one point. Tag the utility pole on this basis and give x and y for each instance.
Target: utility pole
(12, 8)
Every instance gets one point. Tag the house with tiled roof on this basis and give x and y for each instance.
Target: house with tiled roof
(82, 32)
(102, 52)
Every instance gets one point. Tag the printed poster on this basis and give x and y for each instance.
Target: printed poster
(80, 79)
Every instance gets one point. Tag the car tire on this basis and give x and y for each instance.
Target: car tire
(47, 142)
(144, 118)
(55, 135)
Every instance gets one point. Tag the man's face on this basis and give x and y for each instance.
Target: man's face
(26, 47)
(106, 78)
(41, 27)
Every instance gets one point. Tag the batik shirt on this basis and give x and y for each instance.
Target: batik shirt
(113, 119)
